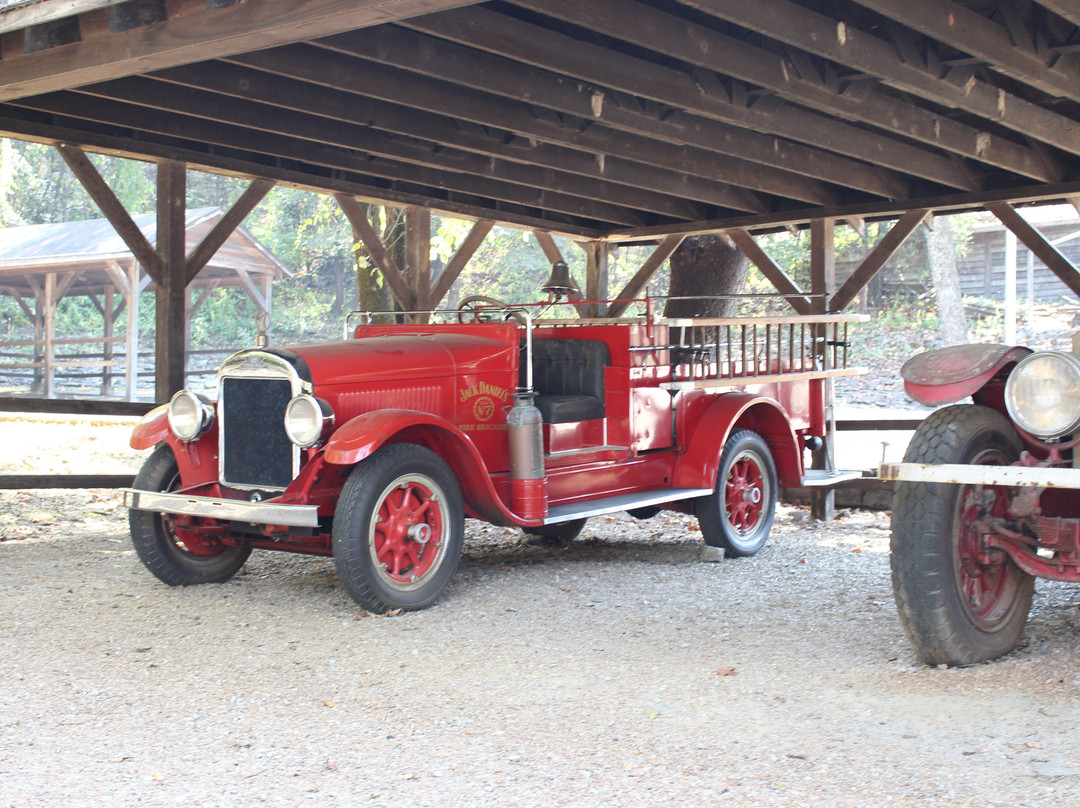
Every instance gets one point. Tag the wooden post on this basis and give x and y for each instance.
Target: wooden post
(170, 355)
(823, 284)
(107, 349)
(132, 346)
(596, 276)
(38, 385)
(49, 310)
(418, 258)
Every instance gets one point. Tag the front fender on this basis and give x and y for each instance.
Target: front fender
(365, 434)
(152, 429)
(950, 374)
(698, 466)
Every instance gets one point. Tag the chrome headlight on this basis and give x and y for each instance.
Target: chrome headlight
(308, 421)
(190, 415)
(1043, 394)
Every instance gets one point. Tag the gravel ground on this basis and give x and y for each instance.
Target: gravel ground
(620, 671)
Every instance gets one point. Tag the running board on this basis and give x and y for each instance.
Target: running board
(823, 477)
(623, 502)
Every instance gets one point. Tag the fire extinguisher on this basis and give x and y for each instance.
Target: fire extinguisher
(528, 495)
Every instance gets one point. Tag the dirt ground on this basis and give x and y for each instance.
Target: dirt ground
(623, 670)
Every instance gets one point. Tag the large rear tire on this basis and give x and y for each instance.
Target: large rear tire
(960, 601)
(176, 556)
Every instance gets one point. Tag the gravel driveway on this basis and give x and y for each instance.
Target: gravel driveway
(620, 671)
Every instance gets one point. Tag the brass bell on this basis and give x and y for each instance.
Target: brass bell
(560, 281)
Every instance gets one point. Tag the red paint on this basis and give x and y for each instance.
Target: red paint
(447, 387)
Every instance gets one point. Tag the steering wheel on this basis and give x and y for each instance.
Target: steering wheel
(482, 309)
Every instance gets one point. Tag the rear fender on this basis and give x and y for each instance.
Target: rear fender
(365, 434)
(698, 466)
(951, 374)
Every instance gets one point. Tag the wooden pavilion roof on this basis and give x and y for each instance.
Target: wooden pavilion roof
(614, 119)
(94, 251)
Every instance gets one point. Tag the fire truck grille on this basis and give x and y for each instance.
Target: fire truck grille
(255, 451)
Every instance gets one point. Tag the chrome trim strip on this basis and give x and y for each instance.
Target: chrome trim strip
(623, 502)
(232, 510)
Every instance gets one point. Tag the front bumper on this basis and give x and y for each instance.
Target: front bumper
(226, 510)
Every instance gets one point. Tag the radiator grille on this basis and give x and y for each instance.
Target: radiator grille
(255, 451)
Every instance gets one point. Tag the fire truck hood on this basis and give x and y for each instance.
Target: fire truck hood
(404, 356)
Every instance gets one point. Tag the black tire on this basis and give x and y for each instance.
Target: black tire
(648, 512)
(409, 562)
(959, 603)
(176, 557)
(558, 534)
(738, 515)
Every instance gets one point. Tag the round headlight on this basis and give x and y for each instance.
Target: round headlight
(1043, 394)
(308, 420)
(190, 415)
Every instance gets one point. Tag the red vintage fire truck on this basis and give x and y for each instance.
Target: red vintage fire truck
(987, 497)
(374, 449)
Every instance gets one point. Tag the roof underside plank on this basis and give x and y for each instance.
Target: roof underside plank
(608, 119)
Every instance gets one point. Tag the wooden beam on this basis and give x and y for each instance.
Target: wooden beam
(882, 252)
(296, 172)
(196, 36)
(296, 78)
(318, 115)
(983, 38)
(113, 209)
(548, 245)
(772, 271)
(418, 254)
(459, 260)
(487, 30)
(225, 227)
(625, 153)
(738, 58)
(22, 482)
(642, 277)
(596, 277)
(378, 252)
(170, 320)
(1037, 243)
(495, 74)
(297, 137)
(870, 54)
(74, 406)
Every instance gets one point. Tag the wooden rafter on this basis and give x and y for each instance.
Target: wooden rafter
(194, 36)
(983, 38)
(816, 33)
(459, 260)
(772, 271)
(378, 252)
(1037, 243)
(872, 264)
(644, 274)
(112, 207)
(492, 32)
(498, 75)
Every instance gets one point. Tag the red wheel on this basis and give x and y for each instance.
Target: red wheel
(988, 581)
(408, 532)
(960, 600)
(738, 515)
(399, 529)
(177, 556)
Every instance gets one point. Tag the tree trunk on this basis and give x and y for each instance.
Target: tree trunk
(705, 266)
(946, 279)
